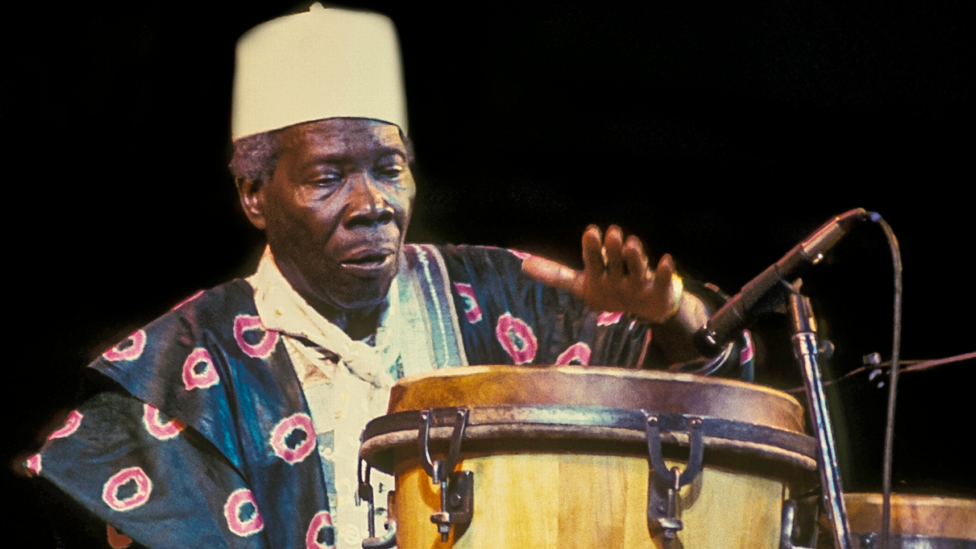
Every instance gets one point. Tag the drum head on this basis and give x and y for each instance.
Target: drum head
(596, 386)
(578, 409)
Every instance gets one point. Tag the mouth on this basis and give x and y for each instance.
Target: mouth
(368, 262)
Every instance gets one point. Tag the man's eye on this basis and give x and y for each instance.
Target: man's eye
(327, 180)
(390, 172)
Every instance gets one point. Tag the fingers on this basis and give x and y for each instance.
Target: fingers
(635, 262)
(614, 244)
(616, 276)
(552, 273)
(614, 257)
(666, 289)
(594, 261)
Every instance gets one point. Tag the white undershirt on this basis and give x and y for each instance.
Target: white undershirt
(345, 394)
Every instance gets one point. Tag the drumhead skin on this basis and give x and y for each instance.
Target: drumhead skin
(597, 386)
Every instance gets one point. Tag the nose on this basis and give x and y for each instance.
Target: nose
(367, 204)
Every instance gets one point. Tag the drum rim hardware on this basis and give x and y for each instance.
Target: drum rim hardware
(663, 485)
(454, 424)
(791, 528)
(400, 429)
(365, 493)
(456, 487)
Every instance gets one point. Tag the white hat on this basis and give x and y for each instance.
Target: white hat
(323, 63)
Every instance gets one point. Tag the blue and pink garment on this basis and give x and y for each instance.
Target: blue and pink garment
(200, 435)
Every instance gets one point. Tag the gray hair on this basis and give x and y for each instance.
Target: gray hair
(256, 156)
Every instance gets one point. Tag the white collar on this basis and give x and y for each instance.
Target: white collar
(282, 309)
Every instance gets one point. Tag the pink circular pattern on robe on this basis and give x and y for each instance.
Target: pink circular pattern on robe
(284, 429)
(608, 319)
(111, 488)
(580, 352)
(199, 380)
(33, 465)
(116, 539)
(245, 323)
(472, 311)
(517, 338)
(158, 426)
(70, 426)
(319, 521)
(521, 255)
(132, 352)
(187, 300)
(235, 502)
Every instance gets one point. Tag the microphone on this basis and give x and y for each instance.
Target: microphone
(732, 318)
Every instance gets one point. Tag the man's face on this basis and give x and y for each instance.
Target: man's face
(337, 209)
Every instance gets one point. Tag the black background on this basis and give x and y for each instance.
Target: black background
(723, 135)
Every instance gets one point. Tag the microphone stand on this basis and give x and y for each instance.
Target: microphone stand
(805, 348)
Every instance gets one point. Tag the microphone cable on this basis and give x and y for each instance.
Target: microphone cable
(893, 383)
(912, 366)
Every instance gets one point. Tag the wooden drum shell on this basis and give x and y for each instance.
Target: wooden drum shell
(552, 486)
(563, 501)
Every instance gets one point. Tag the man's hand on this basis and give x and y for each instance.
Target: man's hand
(615, 277)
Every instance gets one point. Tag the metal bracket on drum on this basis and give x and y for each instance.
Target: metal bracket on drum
(457, 487)
(365, 493)
(794, 534)
(663, 484)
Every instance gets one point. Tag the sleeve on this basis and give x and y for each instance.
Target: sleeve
(198, 436)
(131, 471)
(509, 318)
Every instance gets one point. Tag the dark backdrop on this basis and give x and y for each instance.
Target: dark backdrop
(722, 135)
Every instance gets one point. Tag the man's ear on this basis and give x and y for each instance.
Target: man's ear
(252, 200)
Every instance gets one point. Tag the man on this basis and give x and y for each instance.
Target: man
(234, 419)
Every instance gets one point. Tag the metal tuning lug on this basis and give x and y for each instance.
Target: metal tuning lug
(664, 485)
(795, 534)
(457, 487)
(365, 493)
(388, 541)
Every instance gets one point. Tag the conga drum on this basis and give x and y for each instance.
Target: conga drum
(917, 522)
(564, 457)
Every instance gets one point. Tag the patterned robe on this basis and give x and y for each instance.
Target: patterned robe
(200, 435)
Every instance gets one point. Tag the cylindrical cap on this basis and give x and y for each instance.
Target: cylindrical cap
(323, 63)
